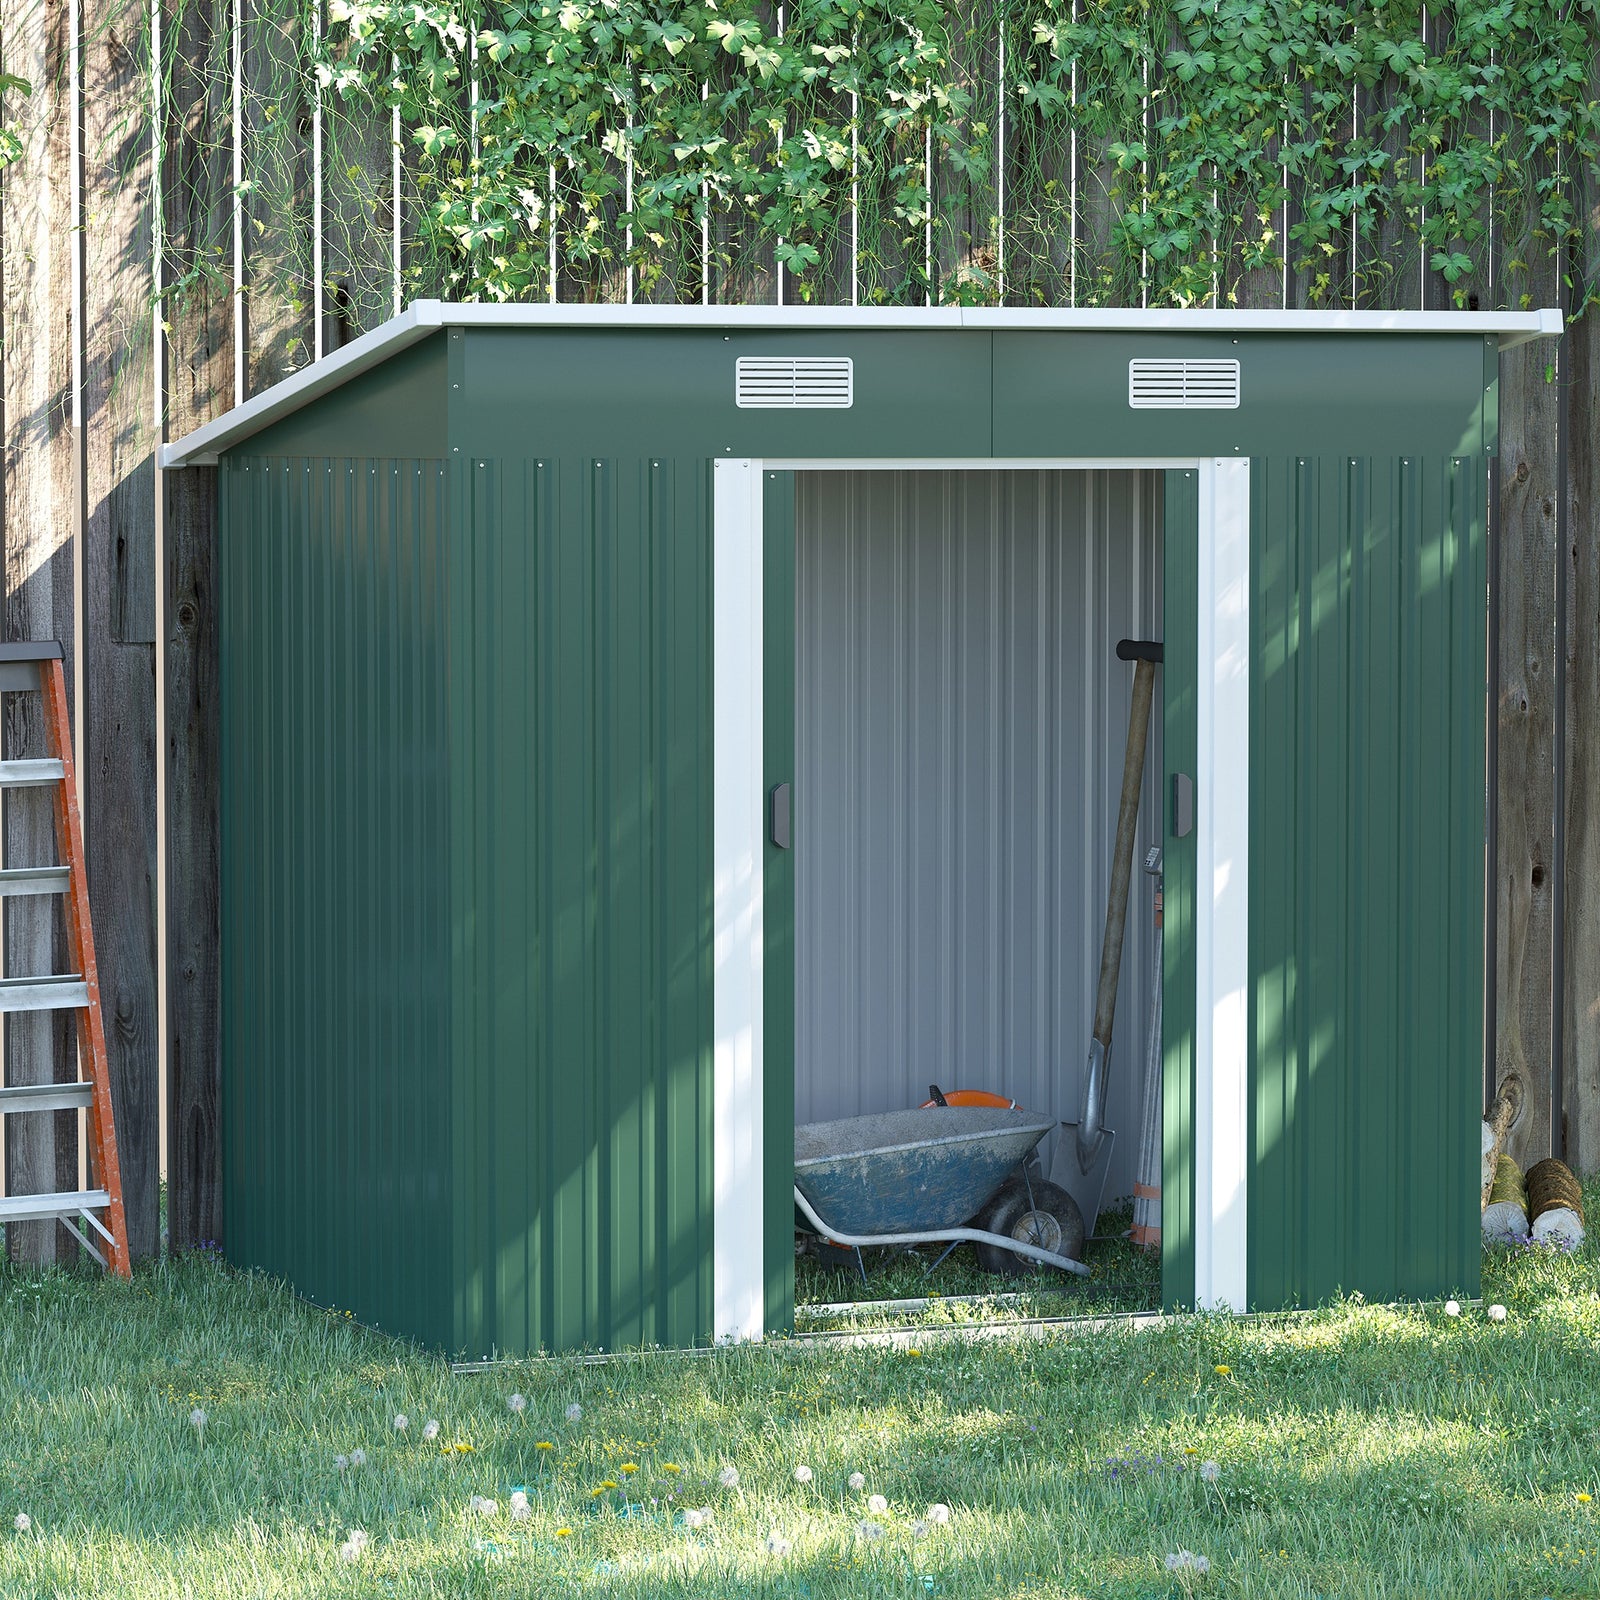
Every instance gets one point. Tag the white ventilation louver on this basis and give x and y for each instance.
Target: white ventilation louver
(795, 382)
(1183, 385)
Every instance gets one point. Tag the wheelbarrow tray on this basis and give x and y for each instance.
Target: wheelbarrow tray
(917, 1170)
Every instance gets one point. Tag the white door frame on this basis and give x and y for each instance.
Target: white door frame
(739, 821)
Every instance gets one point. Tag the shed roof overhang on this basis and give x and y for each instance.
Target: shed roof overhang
(424, 317)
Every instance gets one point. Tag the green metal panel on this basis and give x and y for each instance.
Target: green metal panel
(395, 411)
(583, 838)
(335, 1102)
(1366, 875)
(1066, 394)
(777, 903)
(672, 391)
(1181, 524)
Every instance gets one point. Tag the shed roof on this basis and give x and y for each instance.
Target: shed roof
(424, 317)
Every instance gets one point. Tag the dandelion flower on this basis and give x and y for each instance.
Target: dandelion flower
(23, 1522)
(777, 1545)
(544, 1444)
(341, 1462)
(430, 1430)
(197, 1421)
(401, 1423)
(358, 1457)
(521, 1511)
(354, 1544)
(692, 1518)
(869, 1531)
(938, 1513)
(518, 1404)
(1584, 1499)
(670, 1466)
(1223, 1371)
(1497, 1313)
(1452, 1308)
(574, 1412)
(563, 1533)
(729, 1477)
(1210, 1471)
(519, 1500)
(629, 1466)
(877, 1504)
(919, 1529)
(349, 1552)
(608, 1483)
(483, 1507)
(857, 1481)
(1188, 1561)
(802, 1474)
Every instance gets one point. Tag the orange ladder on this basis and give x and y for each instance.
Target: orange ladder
(40, 668)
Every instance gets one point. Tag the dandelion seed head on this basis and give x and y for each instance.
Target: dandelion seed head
(857, 1481)
(802, 1474)
(358, 1457)
(197, 1419)
(430, 1429)
(1497, 1313)
(729, 1477)
(777, 1545)
(341, 1462)
(23, 1522)
(574, 1412)
(518, 1404)
(876, 1503)
(919, 1529)
(519, 1499)
(692, 1518)
(1188, 1561)
(401, 1423)
(1210, 1471)
(1452, 1308)
(484, 1507)
(938, 1513)
(871, 1532)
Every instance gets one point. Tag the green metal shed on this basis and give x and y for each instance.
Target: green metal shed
(525, 610)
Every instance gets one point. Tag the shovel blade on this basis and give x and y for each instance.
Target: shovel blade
(1086, 1188)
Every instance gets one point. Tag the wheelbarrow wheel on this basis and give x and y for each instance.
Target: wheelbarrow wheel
(1049, 1219)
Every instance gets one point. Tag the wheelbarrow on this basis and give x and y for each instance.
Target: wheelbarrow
(930, 1176)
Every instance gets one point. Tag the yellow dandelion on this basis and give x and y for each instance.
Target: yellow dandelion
(608, 1483)
(544, 1444)
(629, 1466)
(670, 1466)
(1224, 1371)
(913, 1352)
(1189, 1450)
(1584, 1499)
(563, 1533)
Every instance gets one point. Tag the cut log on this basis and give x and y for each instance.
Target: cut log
(1497, 1123)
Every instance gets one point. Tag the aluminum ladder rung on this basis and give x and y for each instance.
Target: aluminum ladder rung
(34, 880)
(41, 1207)
(30, 774)
(65, 993)
(46, 1097)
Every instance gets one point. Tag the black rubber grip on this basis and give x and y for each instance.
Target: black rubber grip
(1139, 650)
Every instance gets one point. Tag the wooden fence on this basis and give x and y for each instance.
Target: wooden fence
(117, 190)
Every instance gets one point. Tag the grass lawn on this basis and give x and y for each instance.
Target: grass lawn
(1358, 1451)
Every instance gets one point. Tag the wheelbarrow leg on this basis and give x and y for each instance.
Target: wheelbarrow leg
(943, 1257)
(861, 1263)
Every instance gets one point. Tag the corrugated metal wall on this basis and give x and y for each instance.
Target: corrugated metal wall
(961, 725)
(335, 940)
(583, 878)
(1366, 875)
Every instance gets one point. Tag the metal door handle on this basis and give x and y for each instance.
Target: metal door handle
(1182, 805)
(778, 825)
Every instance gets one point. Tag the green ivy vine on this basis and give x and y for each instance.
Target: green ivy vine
(1175, 151)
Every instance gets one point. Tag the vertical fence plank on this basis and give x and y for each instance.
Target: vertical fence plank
(197, 190)
(1530, 486)
(1580, 1065)
(41, 513)
(119, 593)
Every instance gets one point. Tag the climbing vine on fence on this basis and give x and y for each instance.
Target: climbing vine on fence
(1169, 152)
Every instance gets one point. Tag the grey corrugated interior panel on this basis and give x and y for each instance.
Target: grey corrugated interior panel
(336, 1070)
(961, 725)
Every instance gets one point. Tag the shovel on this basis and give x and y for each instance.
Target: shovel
(1083, 1163)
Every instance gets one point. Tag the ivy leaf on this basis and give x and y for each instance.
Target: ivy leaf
(797, 255)
(435, 141)
(1190, 65)
(1452, 265)
(1044, 97)
(502, 46)
(734, 36)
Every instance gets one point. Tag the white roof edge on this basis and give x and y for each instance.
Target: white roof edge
(422, 317)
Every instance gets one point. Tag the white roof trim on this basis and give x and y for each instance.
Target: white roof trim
(422, 317)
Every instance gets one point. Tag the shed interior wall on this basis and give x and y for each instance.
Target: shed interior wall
(961, 722)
